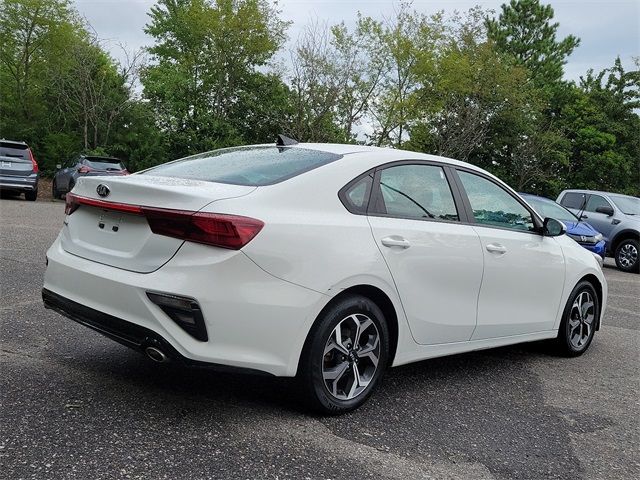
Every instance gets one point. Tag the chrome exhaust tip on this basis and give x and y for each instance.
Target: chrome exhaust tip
(156, 355)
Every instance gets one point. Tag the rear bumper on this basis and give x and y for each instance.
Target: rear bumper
(126, 333)
(23, 184)
(255, 321)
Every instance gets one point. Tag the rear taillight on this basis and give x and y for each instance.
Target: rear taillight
(217, 229)
(84, 169)
(71, 203)
(226, 231)
(33, 162)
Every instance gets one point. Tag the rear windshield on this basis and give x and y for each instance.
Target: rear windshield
(14, 150)
(98, 163)
(253, 166)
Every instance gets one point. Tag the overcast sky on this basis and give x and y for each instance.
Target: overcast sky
(606, 28)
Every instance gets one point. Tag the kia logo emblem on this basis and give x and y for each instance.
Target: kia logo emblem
(103, 190)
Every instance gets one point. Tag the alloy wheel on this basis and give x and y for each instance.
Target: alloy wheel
(628, 255)
(581, 320)
(351, 357)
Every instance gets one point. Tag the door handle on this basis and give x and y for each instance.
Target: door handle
(395, 241)
(496, 248)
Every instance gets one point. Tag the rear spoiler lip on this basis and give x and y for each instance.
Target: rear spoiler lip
(74, 200)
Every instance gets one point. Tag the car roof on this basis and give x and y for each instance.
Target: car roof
(390, 154)
(15, 142)
(597, 192)
(99, 157)
(537, 197)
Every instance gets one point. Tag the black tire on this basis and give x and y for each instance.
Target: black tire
(31, 196)
(314, 361)
(571, 340)
(627, 255)
(54, 190)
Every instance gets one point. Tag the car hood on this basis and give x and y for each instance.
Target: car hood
(632, 218)
(580, 228)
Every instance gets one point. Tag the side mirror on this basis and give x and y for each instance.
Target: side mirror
(553, 228)
(58, 166)
(606, 209)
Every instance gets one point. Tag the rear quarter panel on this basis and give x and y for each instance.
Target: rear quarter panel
(311, 240)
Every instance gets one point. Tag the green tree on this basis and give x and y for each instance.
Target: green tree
(602, 124)
(206, 67)
(525, 30)
(33, 35)
(408, 45)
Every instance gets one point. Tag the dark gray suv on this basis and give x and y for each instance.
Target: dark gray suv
(19, 171)
(84, 166)
(614, 215)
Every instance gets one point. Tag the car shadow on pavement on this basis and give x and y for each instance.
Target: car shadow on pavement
(486, 407)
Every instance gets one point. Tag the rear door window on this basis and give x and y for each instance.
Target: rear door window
(253, 166)
(416, 191)
(573, 200)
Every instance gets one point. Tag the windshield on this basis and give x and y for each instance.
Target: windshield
(549, 208)
(628, 205)
(253, 166)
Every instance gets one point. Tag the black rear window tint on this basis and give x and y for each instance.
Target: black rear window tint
(573, 200)
(253, 166)
(14, 150)
(103, 163)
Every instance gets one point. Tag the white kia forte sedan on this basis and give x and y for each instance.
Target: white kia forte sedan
(326, 262)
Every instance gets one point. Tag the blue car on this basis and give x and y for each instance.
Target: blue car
(580, 231)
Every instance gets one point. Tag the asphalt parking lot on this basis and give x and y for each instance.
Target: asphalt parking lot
(77, 405)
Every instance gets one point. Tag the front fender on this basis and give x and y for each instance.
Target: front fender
(580, 263)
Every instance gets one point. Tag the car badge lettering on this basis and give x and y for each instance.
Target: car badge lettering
(103, 190)
(583, 238)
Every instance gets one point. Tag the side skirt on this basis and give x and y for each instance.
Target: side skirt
(424, 352)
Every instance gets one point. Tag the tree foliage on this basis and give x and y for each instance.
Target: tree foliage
(482, 88)
(524, 30)
(205, 70)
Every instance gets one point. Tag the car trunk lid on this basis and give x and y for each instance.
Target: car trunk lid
(107, 229)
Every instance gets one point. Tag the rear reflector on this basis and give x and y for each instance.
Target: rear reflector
(217, 229)
(184, 311)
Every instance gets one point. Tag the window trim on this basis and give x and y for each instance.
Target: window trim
(460, 197)
(537, 220)
(376, 194)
